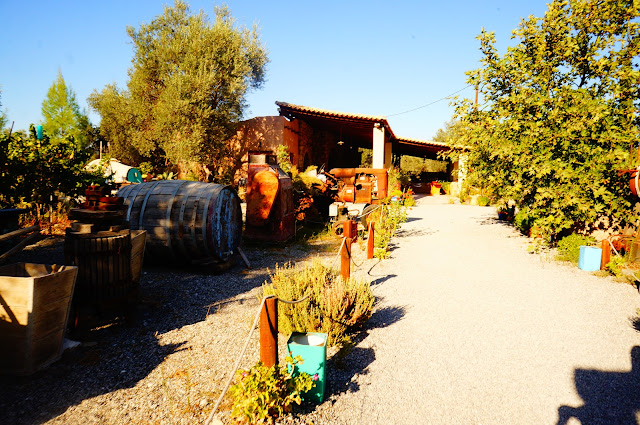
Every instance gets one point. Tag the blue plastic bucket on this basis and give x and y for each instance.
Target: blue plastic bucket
(312, 347)
(590, 258)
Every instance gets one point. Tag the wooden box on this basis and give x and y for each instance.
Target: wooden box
(34, 309)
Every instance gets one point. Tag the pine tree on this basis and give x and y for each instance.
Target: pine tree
(62, 115)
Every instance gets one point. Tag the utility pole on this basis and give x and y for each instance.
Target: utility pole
(476, 97)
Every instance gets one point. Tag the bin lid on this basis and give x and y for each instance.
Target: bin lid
(309, 339)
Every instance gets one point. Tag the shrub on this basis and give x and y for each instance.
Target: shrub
(409, 201)
(616, 265)
(569, 247)
(335, 306)
(483, 200)
(390, 218)
(262, 393)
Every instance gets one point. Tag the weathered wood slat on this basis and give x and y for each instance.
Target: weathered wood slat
(187, 222)
(18, 232)
(26, 241)
(33, 323)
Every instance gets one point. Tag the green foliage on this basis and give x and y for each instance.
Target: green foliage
(569, 247)
(335, 306)
(387, 220)
(39, 172)
(409, 201)
(284, 158)
(262, 394)
(380, 253)
(186, 92)
(559, 114)
(412, 164)
(145, 168)
(451, 134)
(616, 265)
(366, 157)
(483, 200)
(62, 116)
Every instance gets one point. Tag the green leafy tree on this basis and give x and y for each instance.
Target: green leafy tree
(450, 134)
(560, 114)
(40, 172)
(186, 91)
(62, 115)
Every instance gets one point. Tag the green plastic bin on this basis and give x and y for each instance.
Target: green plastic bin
(312, 347)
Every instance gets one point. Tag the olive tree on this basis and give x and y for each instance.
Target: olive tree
(186, 91)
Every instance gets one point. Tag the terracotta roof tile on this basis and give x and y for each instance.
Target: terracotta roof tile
(422, 142)
(329, 113)
(360, 117)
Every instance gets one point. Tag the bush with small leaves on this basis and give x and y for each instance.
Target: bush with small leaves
(261, 394)
(335, 306)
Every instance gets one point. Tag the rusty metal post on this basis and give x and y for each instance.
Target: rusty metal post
(370, 241)
(269, 332)
(350, 230)
(345, 259)
(606, 254)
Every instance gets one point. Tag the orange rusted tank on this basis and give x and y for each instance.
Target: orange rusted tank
(270, 209)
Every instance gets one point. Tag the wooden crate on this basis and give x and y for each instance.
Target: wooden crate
(34, 309)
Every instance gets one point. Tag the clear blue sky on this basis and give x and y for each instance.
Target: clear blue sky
(367, 57)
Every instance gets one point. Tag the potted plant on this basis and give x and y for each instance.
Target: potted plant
(435, 188)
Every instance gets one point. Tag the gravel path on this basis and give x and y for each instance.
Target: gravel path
(469, 329)
(478, 331)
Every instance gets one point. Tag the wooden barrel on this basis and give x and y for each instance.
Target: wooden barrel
(104, 266)
(186, 221)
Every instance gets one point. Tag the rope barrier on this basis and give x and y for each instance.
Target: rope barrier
(354, 261)
(344, 240)
(296, 301)
(244, 349)
(228, 384)
(369, 212)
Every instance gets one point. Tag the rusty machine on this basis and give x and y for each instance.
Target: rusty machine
(359, 189)
(270, 209)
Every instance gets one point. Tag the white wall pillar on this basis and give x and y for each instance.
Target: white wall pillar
(378, 146)
(388, 158)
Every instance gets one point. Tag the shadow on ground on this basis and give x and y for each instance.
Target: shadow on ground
(402, 233)
(383, 279)
(352, 360)
(120, 354)
(635, 323)
(610, 397)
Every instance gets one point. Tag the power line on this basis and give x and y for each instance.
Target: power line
(429, 104)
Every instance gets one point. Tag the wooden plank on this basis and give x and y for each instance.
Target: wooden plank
(19, 247)
(47, 349)
(51, 319)
(51, 288)
(16, 291)
(18, 232)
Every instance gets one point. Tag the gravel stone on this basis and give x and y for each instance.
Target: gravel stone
(468, 329)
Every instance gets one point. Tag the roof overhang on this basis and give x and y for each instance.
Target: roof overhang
(359, 129)
(421, 148)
